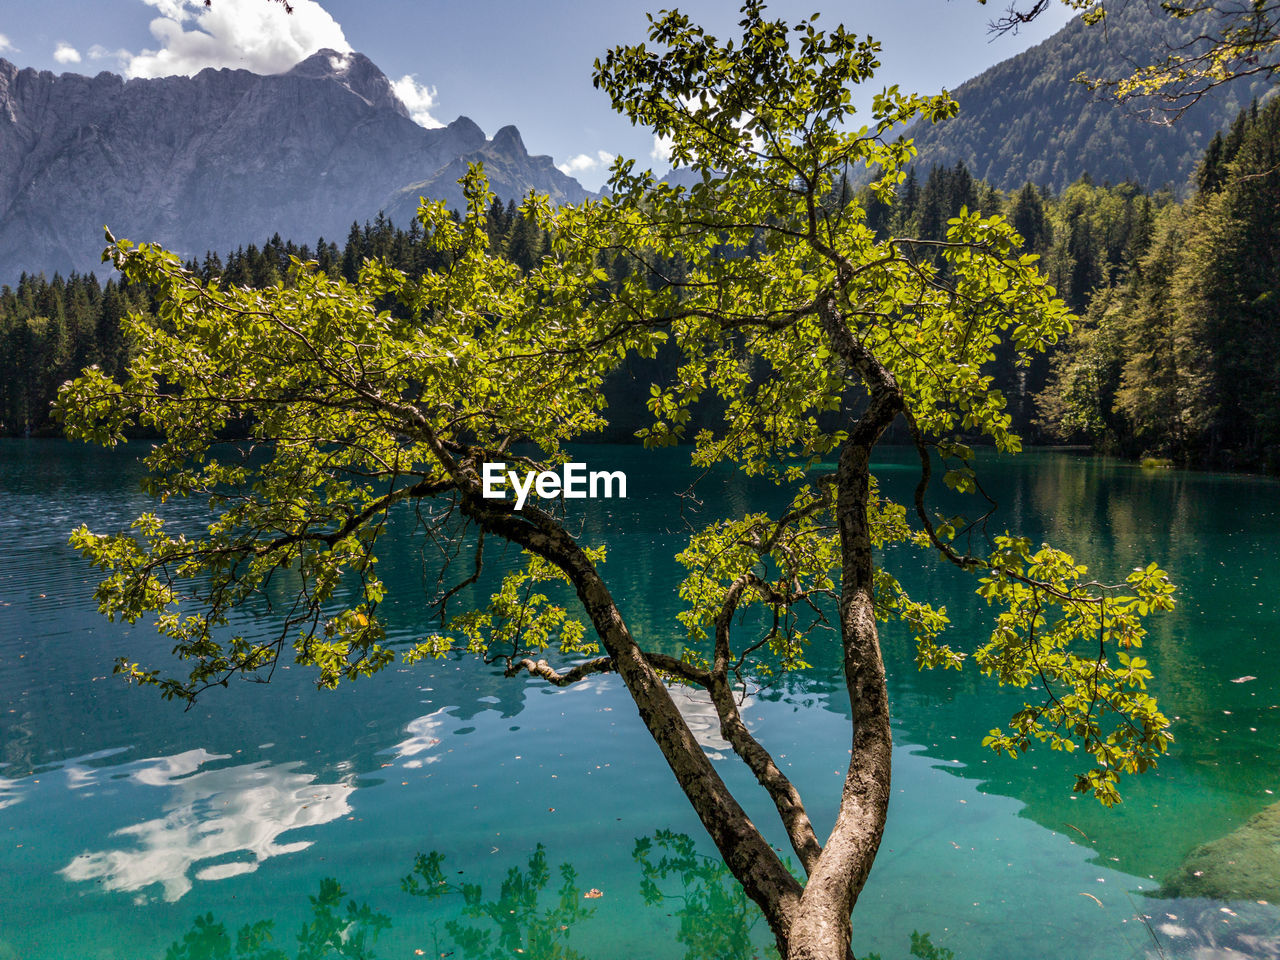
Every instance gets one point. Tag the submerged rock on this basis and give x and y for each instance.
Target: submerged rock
(1243, 865)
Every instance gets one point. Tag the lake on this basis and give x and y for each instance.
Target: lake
(129, 826)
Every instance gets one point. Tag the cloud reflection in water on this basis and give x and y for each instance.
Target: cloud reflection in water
(9, 793)
(232, 816)
(703, 720)
(424, 735)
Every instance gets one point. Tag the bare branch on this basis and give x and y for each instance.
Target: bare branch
(541, 668)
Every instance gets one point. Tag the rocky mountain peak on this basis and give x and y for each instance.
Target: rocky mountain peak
(467, 133)
(227, 158)
(508, 141)
(354, 71)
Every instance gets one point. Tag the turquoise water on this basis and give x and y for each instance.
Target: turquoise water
(124, 819)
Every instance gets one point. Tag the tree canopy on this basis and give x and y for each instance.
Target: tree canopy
(307, 413)
(1177, 359)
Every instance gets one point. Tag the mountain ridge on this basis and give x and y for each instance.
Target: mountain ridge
(1026, 120)
(224, 158)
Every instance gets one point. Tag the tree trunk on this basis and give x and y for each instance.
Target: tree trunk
(822, 929)
(810, 922)
(750, 858)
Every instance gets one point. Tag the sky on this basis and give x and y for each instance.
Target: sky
(495, 61)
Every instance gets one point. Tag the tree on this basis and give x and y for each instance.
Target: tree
(1178, 358)
(1228, 40)
(813, 335)
(1225, 291)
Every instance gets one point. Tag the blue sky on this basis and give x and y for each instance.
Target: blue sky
(495, 61)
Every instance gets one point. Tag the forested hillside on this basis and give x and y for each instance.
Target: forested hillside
(1025, 120)
(1177, 351)
(1087, 237)
(1181, 359)
(1176, 354)
(51, 328)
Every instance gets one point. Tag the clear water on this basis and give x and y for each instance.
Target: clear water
(124, 820)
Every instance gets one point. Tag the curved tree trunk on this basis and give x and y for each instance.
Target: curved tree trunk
(750, 858)
(809, 922)
(822, 928)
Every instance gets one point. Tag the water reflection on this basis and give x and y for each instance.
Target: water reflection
(716, 917)
(1215, 536)
(424, 735)
(222, 822)
(1211, 930)
(532, 758)
(521, 920)
(10, 792)
(333, 930)
(704, 723)
(536, 912)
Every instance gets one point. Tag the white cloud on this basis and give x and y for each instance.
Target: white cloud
(704, 723)
(584, 162)
(661, 148)
(418, 98)
(99, 52)
(66, 53)
(170, 9)
(6, 46)
(250, 34)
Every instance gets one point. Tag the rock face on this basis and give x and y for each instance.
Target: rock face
(224, 159)
(510, 169)
(1243, 865)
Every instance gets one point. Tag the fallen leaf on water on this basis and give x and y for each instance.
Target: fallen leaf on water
(593, 894)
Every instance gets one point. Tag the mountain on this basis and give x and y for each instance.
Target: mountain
(1025, 120)
(225, 158)
(510, 169)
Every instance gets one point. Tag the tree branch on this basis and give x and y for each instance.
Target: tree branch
(543, 669)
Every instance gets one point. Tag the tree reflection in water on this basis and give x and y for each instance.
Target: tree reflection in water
(716, 917)
(334, 931)
(521, 922)
(533, 916)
